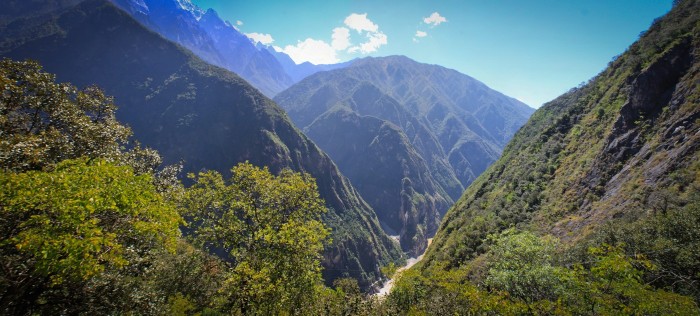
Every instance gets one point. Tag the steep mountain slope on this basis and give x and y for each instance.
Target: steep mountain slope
(33, 8)
(192, 111)
(613, 151)
(452, 136)
(387, 171)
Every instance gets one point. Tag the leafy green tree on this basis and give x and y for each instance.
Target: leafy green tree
(670, 238)
(345, 298)
(43, 122)
(523, 264)
(61, 228)
(525, 278)
(269, 229)
(613, 285)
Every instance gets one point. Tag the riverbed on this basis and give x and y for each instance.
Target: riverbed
(386, 287)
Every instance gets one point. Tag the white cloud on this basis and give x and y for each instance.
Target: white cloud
(277, 48)
(265, 39)
(360, 23)
(321, 52)
(376, 40)
(341, 38)
(239, 22)
(435, 19)
(419, 34)
(313, 51)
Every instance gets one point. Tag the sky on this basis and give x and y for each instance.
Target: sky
(532, 50)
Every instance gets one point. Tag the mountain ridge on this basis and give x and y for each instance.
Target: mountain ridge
(220, 43)
(444, 136)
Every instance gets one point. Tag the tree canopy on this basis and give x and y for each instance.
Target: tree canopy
(270, 230)
(71, 224)
(43, 122)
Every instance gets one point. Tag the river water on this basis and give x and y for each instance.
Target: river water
(386, 287)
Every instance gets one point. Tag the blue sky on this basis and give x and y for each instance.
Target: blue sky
(532, 50)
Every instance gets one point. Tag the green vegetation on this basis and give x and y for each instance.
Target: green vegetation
(668, 238)
(64, 228)
(44, 122)
(191, 112)
(525, 274)
(593, 207)
(271, 232)
(90, 227)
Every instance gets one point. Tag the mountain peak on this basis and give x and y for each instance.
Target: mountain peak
(211, 14)
(188, 6)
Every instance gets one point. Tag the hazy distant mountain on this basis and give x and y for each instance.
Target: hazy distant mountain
(447, 128)
(192, 111)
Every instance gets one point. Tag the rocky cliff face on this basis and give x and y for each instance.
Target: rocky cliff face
(388, 171)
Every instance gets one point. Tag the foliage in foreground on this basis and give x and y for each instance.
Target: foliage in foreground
(72, 224)
(268, 228)
(526, 274)
(43, 122)
(88, 226)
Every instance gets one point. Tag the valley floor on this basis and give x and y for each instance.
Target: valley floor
(389, 284)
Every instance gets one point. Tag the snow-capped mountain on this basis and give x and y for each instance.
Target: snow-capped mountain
(218, 42)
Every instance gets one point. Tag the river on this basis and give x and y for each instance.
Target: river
(386, 287)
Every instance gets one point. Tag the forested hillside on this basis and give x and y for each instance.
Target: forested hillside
(593, 206)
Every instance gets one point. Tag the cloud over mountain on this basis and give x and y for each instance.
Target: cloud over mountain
(318, 51)
(265, 39)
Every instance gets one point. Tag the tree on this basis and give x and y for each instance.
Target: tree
(269, 229)
(61, 228)
(43, 122)
(613, 285)
(523, 265)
